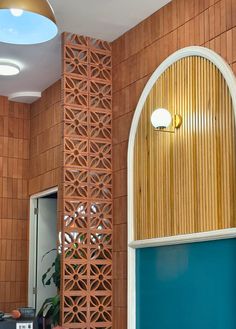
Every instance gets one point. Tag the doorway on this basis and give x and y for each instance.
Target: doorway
(43, 239)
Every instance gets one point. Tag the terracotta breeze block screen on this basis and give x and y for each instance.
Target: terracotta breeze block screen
(87, 187)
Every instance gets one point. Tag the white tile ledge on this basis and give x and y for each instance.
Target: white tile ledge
(229, 233)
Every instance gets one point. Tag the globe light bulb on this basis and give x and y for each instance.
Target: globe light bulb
(161, 118)
(16, 12)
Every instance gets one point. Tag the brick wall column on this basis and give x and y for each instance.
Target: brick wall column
(87, 183)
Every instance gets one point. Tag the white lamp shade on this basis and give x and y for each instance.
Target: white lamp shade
(26, 22)
(161, 118)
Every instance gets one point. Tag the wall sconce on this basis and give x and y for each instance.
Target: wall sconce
(162, 119)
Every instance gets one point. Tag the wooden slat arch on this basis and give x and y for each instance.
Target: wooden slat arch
(185, 182)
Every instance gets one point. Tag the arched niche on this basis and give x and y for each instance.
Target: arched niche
(181, 185)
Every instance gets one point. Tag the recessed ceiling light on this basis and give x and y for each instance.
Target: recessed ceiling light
(7, 69)
(25, 96)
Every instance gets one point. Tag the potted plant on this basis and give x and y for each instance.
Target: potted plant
(49, 314)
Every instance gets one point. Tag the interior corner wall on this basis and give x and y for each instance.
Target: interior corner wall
(30, 162)
(136, 54)
(14, 169)
(46, 118)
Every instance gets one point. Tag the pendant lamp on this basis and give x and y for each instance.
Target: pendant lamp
(26, 22)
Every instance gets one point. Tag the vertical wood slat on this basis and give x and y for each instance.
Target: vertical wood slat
(183, 182)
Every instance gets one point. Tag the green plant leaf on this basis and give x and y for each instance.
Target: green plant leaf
(48, 252)
(47, 302)
(48, 282)
(56, 311)
(53, 274)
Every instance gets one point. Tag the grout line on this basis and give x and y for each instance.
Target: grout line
(165, 34)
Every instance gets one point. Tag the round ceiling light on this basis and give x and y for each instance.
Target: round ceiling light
(25, 96)
(26, 22)
(7, 69)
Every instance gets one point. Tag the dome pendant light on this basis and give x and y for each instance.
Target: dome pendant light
(26, 22)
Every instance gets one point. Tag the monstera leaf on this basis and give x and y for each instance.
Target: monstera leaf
(53, 273)
(51, 306)
(51, 309)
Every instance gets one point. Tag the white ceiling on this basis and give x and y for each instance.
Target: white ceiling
(103, 19)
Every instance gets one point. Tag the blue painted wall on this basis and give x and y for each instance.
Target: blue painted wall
(190, 286)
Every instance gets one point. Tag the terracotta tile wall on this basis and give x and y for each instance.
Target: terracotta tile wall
(45, 140)
(14, 168)
(181, 23)
(30, 162)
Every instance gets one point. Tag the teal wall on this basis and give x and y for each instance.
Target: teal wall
(190, 286)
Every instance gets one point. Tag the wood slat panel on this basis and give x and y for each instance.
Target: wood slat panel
(185, 182)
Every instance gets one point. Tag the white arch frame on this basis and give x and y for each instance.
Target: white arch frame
(229, 76)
